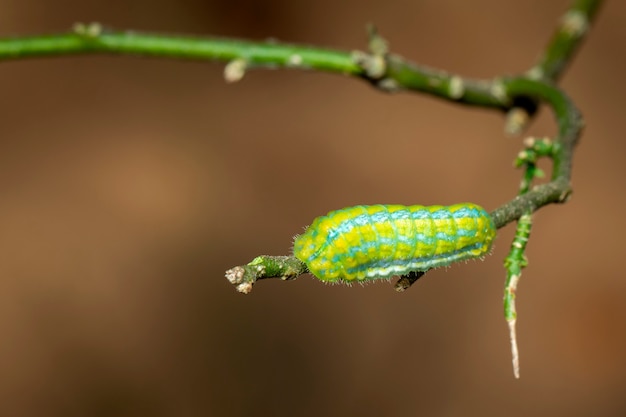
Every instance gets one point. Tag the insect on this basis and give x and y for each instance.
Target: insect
(379, 241)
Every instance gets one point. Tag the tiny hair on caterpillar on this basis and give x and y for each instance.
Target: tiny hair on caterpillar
(363, 243)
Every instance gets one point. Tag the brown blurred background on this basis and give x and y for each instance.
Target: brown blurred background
(128, 186)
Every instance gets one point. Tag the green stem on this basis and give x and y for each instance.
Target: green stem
(514, 263)
(566, 40)
(263, 54)
(516, 259)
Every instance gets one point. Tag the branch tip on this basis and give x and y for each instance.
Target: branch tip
(264, 267)
(514, 347)
(235, 275)
(244, 287)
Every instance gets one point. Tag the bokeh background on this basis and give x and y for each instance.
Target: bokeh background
(128, 186)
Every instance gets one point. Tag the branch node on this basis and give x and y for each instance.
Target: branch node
(456, 88)
(529, 142)
(294, 60)
(88, 30)
(374, 63)
(235, 70)
(516, 121)
(565, 195)
(574, 23)
(389, 85)
(377, 45)
(498, 90)
(535, 73)
(374, 66)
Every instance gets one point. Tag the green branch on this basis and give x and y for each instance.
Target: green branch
(93, 39)
(565, 41)
(516, 259)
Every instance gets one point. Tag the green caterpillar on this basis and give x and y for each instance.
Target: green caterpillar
(371, 242)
